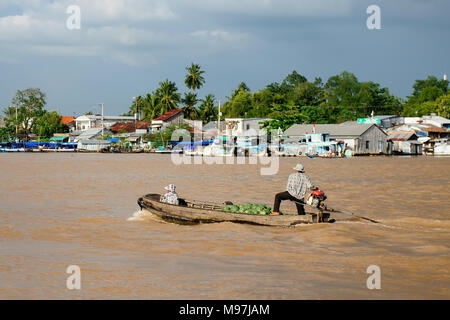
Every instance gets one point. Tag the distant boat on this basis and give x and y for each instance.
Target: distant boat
(12, 149)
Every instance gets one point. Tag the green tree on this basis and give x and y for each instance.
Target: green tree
(151, 106)
(443, 106)
(307, 94)
(208, 111)
(425, 97)
(293, 80)
(168, 96)
(239, 105)
(430, 82)
(283, 117)
(137, 106)
(165, 135)
(342, 89)
(190, 100)
(194, 79)
(48, 124)
(6, 133)
(29, 104)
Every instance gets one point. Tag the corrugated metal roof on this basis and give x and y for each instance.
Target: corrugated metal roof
(400, 136)
(338, 130)
(87, 134)
(437, 119)
(431, 128)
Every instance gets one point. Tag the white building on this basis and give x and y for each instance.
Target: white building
(86, 122)
(175, 116)
(245, 127)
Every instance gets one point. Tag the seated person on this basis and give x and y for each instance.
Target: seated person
(170, 196)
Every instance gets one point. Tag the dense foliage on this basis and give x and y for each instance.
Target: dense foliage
(296, 100)
(27, 115)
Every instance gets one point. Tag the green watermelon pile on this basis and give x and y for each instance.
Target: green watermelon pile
(249, 208)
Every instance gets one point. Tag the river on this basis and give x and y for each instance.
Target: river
(58, 210)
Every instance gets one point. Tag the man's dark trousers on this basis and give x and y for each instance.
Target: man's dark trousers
(286, 196)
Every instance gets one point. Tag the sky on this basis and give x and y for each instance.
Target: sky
(124, 48)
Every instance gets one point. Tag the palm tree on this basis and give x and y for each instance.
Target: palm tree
(207, 109)
(194, 79)
(137, 105)
(151, 106)
(168, 96)
(190, 100)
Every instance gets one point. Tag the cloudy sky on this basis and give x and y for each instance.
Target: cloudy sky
(126, 47)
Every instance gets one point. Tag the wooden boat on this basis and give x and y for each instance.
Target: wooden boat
(192, 212)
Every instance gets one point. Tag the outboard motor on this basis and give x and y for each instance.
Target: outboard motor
(316, 198)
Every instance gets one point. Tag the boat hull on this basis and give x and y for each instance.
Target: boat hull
(211, 213)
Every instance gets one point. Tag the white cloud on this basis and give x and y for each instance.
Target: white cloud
(107, 30)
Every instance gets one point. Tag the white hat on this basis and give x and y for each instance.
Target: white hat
(170, 188)
(299, 167)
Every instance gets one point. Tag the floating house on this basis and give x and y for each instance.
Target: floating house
(405, 143)
(93, 145)
(361, 139)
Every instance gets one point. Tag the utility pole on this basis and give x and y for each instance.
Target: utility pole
(218, 122)
(17, 129)
(103, 124)
(136, 113)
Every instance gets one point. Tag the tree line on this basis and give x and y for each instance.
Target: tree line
(297, 100)
(294, 100)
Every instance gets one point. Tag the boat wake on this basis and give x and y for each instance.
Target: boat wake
(138, 216)
(144, 215)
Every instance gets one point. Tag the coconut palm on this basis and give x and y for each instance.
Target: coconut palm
(190, 100)
(137, 106)
(151, 106)
(168, 96)
(194, 79)
(208, 110)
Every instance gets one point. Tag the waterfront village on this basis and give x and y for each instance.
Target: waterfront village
(342, 117)
(375, 135)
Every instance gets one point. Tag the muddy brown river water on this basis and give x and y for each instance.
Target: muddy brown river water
(58, 210)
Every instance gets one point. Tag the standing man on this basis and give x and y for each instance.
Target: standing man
(297, 187)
